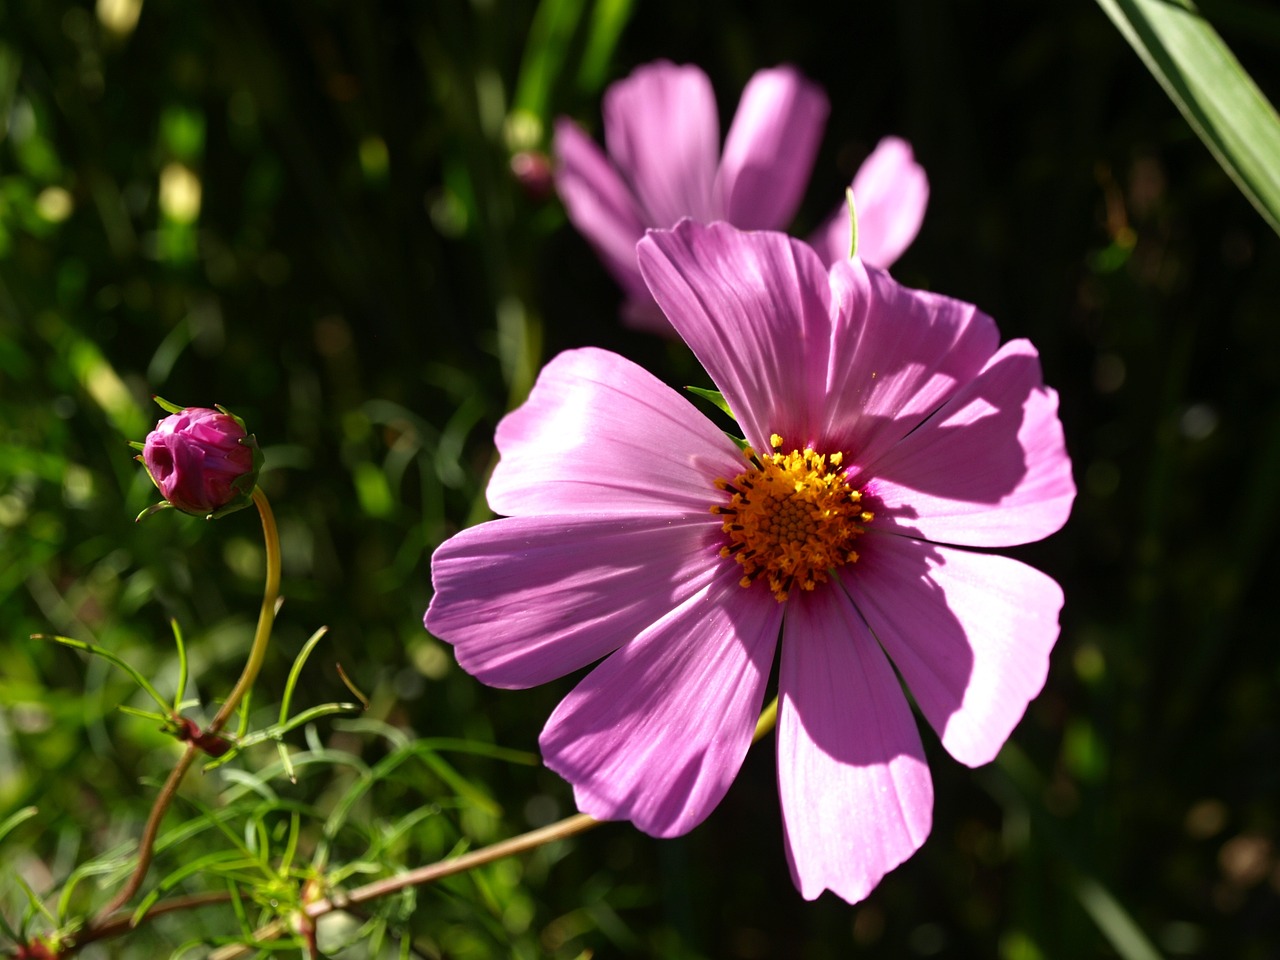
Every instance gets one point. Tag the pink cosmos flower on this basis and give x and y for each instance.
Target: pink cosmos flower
(887, 430)
(663, 134)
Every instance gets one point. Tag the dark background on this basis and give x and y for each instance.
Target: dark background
(370, 287)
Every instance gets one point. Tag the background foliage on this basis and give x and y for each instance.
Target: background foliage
(307, 212)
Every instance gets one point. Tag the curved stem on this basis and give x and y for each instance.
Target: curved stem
(768, 719)
(146, 846)
(266, 616)
(111, 925)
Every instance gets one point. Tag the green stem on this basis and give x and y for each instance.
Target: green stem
(266, 616)
(768, 719)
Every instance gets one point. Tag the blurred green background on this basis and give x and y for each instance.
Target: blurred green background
(307, 212)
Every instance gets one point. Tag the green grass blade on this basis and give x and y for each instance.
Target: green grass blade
(183, 666)
(12, 821)
(545, 52)
(608, 17)
(1120, 929)
(296, 670)
(107, 655)
(1203, 78)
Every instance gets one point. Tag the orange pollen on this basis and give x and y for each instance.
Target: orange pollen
(791, 518)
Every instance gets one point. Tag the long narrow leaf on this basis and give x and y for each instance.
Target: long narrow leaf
(182, 666)
(111, 658)
(1218, 98)
(296, 670)
(10, 822)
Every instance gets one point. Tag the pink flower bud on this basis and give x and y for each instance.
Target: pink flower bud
(203, 461)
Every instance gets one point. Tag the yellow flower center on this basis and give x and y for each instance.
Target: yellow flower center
(791, 518)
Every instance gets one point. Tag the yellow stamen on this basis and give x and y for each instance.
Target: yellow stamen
(791, 518)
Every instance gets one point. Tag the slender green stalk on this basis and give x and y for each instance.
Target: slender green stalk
(768, 719)
(257, 653)
(266, 616)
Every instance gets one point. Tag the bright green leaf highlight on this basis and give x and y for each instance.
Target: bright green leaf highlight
(714, 397)
(9, 823)
(1215, 94)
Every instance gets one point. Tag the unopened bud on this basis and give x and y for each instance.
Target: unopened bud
(202, 461)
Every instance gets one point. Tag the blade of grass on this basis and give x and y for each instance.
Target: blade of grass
(110, 658)
(1212, 90)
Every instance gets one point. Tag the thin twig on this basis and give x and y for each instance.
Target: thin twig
(122, 922)
(146, 846)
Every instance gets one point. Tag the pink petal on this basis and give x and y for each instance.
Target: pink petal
(600, 434)
(600, 204)
(769, 152)
(896, 355)
(890, 193)
(990, 468)
(527, 599)
(663, 133)
(753, 307)
(657, 732)
(969, 632)
(856, 795)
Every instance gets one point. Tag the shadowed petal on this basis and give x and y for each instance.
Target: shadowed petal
(753, 308)
(969, 632)
(896, 355)
(990, 468)
(600, 204)
(769, 152)
(890, 193)
(657, 732)
(598, 433)
(524, 600)
(857, 799)
(662, 131)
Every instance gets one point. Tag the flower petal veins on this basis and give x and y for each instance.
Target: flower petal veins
(883, 425)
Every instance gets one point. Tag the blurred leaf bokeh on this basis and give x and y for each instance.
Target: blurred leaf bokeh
(333, 218)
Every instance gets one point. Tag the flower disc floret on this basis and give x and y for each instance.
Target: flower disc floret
(791, 518)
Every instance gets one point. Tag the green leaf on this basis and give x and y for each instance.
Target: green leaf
(296, 670)
(107, 655)
(10, 822)
(182, 666)
(545, 52)
(608, 17)
(714, 397)
(1120, 929)
(1203, 78)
